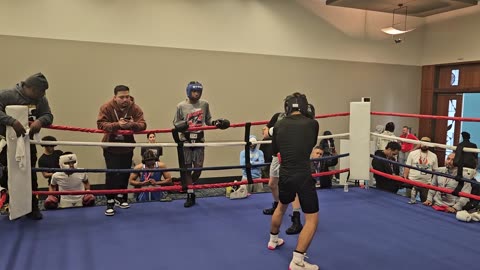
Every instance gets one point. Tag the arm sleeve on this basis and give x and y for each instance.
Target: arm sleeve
(460, 202)
(261, 158)
(43, 112)
(53, 181)
(104, 123)
(409, 160)
(178, 115)
(41, 163)
(139, 122)
(84, 178)
(431, 192)
(332, 162)
(4, 118)
(274, 142)
(273, 120)
(242, 158)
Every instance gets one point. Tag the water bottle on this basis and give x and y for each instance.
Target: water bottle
(413, 196)
(345, 187)
(366, 184)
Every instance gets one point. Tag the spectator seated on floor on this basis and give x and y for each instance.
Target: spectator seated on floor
(151, 179)
(443, 201)
(69, 181)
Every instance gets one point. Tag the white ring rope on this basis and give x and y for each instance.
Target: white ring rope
(340, 135)
(430, 144)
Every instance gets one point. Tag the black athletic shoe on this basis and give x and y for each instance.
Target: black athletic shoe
(269, 211)
(297, 226)
(190, 200)
(110, 211)
(35, 214)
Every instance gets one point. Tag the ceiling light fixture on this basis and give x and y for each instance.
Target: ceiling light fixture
(398, 27)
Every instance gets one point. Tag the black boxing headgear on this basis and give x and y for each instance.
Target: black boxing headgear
(296, 102)
(149, 155)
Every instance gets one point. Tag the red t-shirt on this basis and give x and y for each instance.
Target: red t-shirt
(407, 147)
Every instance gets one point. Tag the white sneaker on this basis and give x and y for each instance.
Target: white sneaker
(110, 211)
(123, 205)
(274, 244)
(298, 263)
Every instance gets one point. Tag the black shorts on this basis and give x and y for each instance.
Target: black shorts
(301, 184)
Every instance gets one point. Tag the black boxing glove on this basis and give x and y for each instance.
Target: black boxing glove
(181, 126)
(221, 123)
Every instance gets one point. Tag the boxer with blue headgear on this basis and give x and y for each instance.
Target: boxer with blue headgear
(194, 86)
(192, 113)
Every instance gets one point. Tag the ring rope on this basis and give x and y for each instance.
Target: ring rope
(427, 171)
(420, 184)
(168, 130)
(210, 144)
(430, 144)
(169, 188)
(214, 168)
(426, 116)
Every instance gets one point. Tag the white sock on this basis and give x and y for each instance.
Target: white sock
(298, 257)
(273, 238)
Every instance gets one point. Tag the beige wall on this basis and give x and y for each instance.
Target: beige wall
(452, 37)
(240, 87)
(271, 27)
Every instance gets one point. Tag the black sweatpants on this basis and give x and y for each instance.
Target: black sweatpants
(114, 180)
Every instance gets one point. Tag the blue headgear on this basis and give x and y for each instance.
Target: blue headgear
(296, 102)
(194, 86)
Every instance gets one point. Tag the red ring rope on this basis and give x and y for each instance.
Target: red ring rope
(425, 116)
(169, 188)
(420, 184)
(168, 130)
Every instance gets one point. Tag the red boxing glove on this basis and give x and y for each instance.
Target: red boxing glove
(51, 202)
(88, 200)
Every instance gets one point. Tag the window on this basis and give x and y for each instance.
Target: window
(454, 77)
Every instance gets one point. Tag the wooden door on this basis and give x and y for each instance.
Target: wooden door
(447, 131)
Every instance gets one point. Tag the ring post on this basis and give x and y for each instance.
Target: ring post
(19, 165)
(181, 160)
(248, 165)
(359, 143)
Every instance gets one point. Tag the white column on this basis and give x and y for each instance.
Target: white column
(359, 144)
(19, 167)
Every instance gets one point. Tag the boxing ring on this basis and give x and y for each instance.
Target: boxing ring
(358, 229)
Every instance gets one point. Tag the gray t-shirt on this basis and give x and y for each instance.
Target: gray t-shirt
(197, 115)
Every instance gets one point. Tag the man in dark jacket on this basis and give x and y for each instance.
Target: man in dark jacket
(390, 152)
(31, 93)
